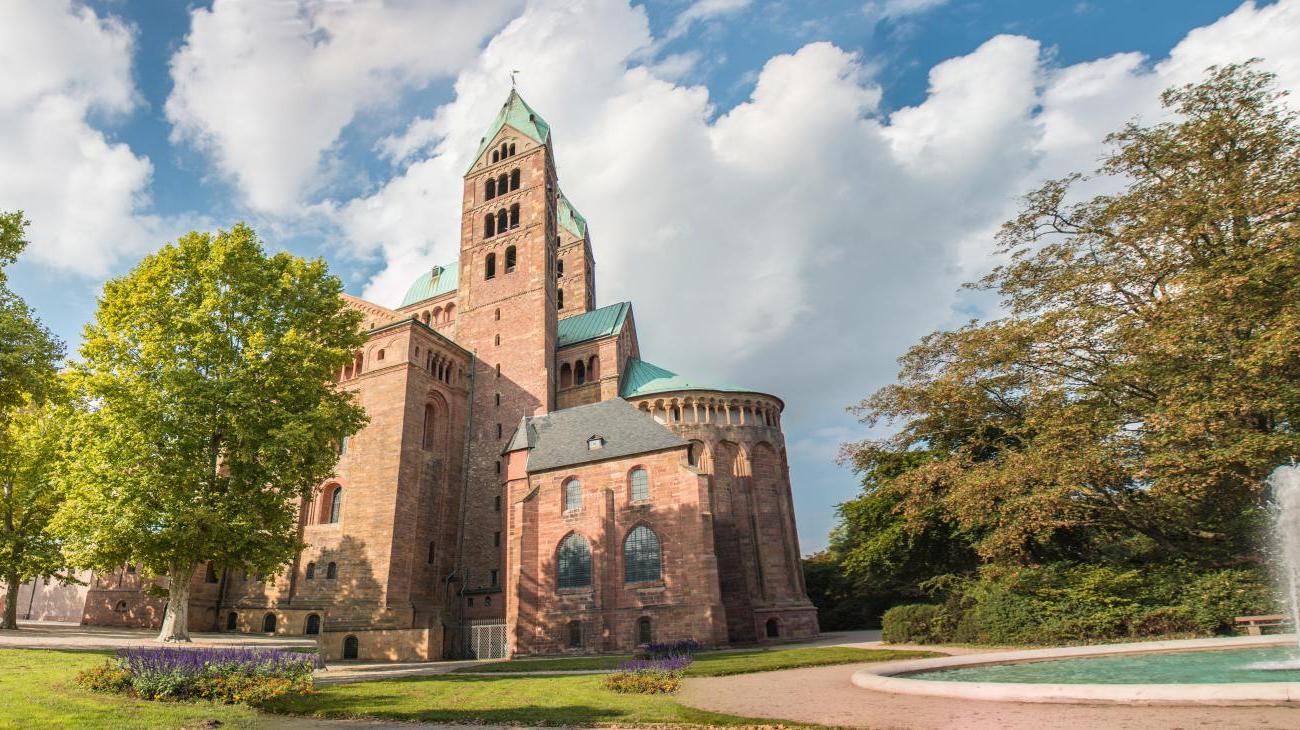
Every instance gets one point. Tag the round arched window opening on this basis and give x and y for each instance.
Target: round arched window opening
(268, 623)
(313, 625)
(232, 621)
(351, 647)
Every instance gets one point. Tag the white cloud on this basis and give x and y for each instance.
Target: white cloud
(61, 64)
(700, 11)
(895, 9)
(267, 87)
(802, 240)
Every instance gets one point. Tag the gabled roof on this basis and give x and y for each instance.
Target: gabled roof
(642, 378)
(591, 325)
(519, 115)
(437, 281)
(559, 439)
(570, 218)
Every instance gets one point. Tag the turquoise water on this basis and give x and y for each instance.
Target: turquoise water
(1190, 667)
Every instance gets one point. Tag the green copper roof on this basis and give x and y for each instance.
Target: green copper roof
(570, 218)
(592, 325)
(439, 280)
(641, 378)
(519, 115)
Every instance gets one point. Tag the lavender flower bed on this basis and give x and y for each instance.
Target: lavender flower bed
(657, 675)
(667, 651)
(248, 676)
(672, 664)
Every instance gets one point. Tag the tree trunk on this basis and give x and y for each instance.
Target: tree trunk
(176, 624)
(11, 602)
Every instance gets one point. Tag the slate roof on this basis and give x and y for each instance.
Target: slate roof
(642, 378)
(519, 115)
(435, 282)
(559, 439)
(592, 325)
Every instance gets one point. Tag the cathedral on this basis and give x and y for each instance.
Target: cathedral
(528, 483)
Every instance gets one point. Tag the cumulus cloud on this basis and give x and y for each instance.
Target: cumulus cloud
(800, 241)
(63, 64)
(266, 88)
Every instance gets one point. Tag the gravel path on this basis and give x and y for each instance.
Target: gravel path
(824, 695)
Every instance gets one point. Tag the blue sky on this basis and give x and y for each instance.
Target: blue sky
(789, 192)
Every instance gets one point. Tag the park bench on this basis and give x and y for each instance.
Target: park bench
(1255, 625)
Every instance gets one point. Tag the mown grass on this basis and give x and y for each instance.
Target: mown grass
(716, 663)
(577, 700)
(37, 691)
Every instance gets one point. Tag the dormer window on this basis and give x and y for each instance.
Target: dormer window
(595, 442)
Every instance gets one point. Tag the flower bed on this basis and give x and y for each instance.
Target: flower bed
(229, 675)
(656, 670)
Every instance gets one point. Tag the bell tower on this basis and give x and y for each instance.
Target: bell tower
(506, 316)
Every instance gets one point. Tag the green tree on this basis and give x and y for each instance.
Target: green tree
(29, 357)
(1146, 375)
(30, 446)
(209, 410)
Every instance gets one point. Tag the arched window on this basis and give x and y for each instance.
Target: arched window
(579, 373)
(311, 571)
(313, 624)
(510, 259)
(426, 435)
(643, 633)
(496, 155)
(503, 183)
(566, 375)
(514, 179)
(490, 190)
(559, 267)
(559, 299)
(351, 647)
(498, 313)
(639, 484)
(501, 221)
(268, 623)
(489, 226)
(514, 216)
(575, 634)
(120, 607)
(593, 368)
(332, 571)
(773, 628)
(572, 495)
(574, 562)
(232, 621)
(641, 555)
(505, 150)
(336, 505)
(490, 266)
(210, 573)
(693, 454)
(512, 145)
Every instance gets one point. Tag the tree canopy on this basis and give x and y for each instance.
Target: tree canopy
(1144, 375)
(208, 409)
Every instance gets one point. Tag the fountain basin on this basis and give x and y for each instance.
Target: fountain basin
(1115, 669)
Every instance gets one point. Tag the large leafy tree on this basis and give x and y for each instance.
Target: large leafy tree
(29, 357)
(1146, 374)
(209, 410)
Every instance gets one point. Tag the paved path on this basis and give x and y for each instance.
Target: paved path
(824, 695)
(51, 635)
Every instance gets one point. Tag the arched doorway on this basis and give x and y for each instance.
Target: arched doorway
(268, 624)
(351, 647)
(773, 628)
(313, 625)
(232, 621)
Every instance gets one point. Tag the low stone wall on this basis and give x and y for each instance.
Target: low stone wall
(393, 645)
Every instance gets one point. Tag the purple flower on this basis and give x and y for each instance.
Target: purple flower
(671, 664)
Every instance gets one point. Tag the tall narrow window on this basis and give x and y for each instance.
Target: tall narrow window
(559, 299)
(336, 505)
(559, 268)
(574, 562)
(572, 495)
(566, 375)
(426, 437)
(490, 189)
(641, 556)
(512, 146)
(432, 547)
(503, 183)
(311, 571)
(643, 633)
(514, 179)
(489, 226)
(313, 624)
(640, 483)
(496, 155)
(501, 221)
(514, 216)
(332, 571)
(490, 266)
(493, 578)
(575, 635)
(510, 259)
(579, 373)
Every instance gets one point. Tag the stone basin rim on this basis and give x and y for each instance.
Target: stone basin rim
(884, 677)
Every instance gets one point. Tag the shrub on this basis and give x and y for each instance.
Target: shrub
(649, 676)
(913, 623)
(1166, 620)
(1218, 597)
(248, 676)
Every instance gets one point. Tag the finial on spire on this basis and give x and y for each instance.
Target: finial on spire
(512, 78)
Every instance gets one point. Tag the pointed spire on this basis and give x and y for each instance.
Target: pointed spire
(516, 113)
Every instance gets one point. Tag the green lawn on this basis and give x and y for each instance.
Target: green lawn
(568, 700)
(717, 663)
(36, 691)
